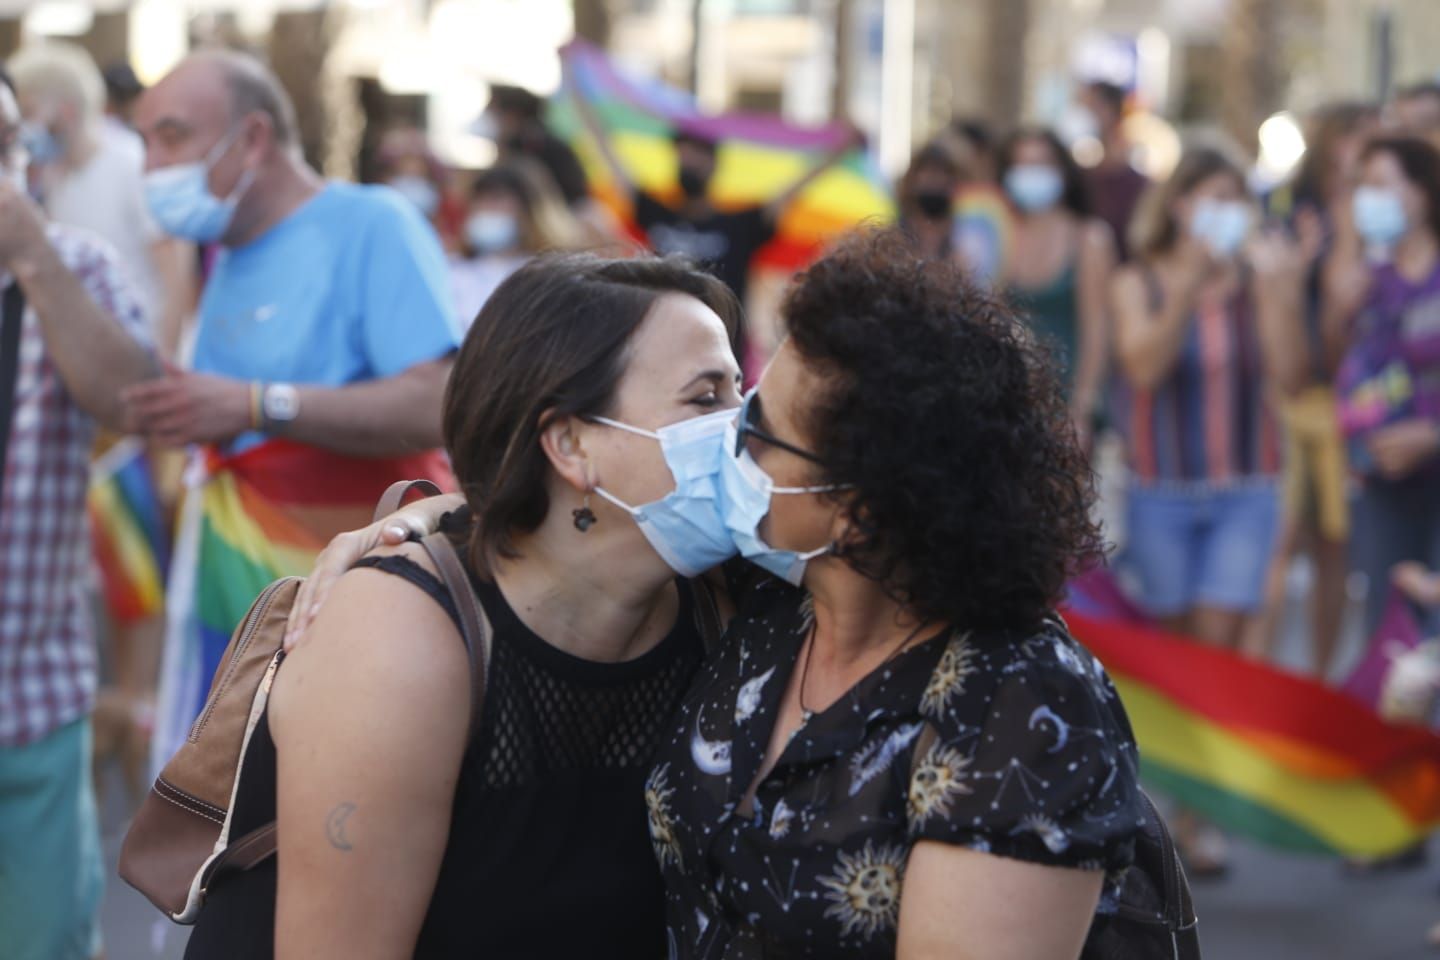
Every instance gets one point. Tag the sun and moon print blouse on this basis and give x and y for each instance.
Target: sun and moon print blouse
(1031, 757)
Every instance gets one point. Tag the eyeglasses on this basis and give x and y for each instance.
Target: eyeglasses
(747, 425)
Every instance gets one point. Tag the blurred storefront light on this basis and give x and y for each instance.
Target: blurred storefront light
(1282, 144)
(158, 37)
(408, 68)
(1087, 151)
(58, 18)
(1155, 145)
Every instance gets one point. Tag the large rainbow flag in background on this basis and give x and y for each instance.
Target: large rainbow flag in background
(248, 519)
(1275, 757)
(128, 533)
(760, 156)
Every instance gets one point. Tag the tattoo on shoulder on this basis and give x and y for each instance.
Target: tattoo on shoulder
(335, 826)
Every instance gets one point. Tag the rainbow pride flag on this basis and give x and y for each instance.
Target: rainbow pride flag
(760, 156)
(1272, 756)
(127, 533)
(248, 519)
(984, 229)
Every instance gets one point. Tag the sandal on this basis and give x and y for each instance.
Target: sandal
(1411, 858)
(1203, 849)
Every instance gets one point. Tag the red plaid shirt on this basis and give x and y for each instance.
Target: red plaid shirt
(47, 642)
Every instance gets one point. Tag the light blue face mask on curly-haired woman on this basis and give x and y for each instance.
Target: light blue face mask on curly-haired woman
(746, 491)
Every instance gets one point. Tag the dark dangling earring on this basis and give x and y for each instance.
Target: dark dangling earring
(584, 517)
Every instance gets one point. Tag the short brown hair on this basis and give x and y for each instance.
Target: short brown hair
(552, 341)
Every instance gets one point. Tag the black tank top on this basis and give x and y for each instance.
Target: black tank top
(549, 853)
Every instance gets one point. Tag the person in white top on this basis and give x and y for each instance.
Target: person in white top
(88, 173)
(515, 212)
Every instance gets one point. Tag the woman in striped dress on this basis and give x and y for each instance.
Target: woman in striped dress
(1196, 314)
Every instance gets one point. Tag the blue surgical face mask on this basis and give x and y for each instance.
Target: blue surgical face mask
(42, 145)
(1379, 216)
(685, 526)
(1222, 225)
(180, 200)
(418, 191)
(1034, 186)
(746, 491)
(488, 232)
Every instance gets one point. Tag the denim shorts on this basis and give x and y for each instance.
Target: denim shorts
(1198, 544)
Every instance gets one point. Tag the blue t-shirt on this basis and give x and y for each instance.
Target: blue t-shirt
(352, 286)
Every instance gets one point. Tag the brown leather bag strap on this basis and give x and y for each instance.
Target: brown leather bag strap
(249, 851)
(474, 625)
(396, 493)
(259, 844)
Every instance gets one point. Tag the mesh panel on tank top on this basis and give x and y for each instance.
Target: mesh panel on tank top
(543, 716)
(547, 712)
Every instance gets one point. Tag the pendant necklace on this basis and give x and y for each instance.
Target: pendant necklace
(806, 714)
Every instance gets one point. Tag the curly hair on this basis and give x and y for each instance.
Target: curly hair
(947, 424)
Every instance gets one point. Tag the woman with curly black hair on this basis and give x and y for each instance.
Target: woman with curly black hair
(899, 749)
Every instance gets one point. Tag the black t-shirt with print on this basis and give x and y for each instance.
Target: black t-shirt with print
(1032, 758)
(722, 242)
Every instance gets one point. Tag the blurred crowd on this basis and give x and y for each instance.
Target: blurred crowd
(1261, 369)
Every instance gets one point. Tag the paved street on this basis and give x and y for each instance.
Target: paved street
(1272, 907)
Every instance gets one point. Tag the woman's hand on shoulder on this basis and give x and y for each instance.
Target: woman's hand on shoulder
(370, 719)
(416, 520)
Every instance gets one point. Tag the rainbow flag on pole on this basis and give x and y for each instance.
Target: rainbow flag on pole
(248, 519)
(760, 156)
(1272, 756)
(127, 533)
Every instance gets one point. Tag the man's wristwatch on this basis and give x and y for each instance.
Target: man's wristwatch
(279, 404)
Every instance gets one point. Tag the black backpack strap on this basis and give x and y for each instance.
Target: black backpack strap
(10, 323)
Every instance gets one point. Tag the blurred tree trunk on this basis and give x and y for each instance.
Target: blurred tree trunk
(1251, 81)
(592, 21)
(1006, 24)
(299, 45)
(108, 39)
(843, 39)
(9, 35)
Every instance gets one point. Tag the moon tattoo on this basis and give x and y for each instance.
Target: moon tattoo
(710, 756)
(335, 826)
(1043, 715)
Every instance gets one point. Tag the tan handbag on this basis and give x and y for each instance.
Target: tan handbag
(179, 844)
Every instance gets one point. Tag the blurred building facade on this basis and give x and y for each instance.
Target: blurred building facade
(899, 68)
